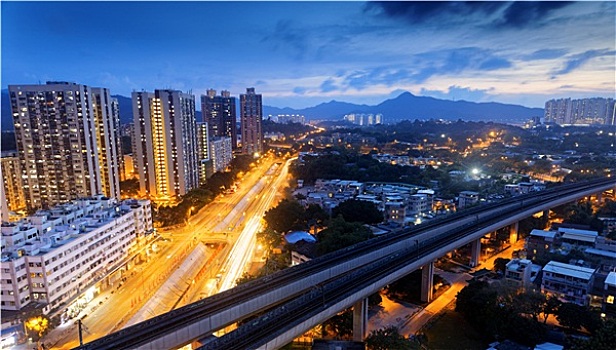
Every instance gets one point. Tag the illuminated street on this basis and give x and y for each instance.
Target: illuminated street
(229, 218)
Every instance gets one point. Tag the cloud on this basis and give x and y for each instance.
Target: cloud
(494, 63)
(379, 75)
(491, 14)
(328, 85)
(453, 61)
(299, 90)
(455, 92)
(578, 60)
(545, 54)
(534, 13)
(288, 38)
(417, 12)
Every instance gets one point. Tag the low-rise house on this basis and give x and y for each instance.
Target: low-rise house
(570, 283)
(540, 242)
(467, 198)
(609, 294)
(518, 272)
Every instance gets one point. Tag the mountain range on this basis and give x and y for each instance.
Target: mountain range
(405, 106)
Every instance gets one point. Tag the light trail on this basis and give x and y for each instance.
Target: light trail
(241, 254)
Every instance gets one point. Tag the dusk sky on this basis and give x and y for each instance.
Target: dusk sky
(299, 54)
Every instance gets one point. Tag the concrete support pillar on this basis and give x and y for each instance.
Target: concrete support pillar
(513, 233)
(427, 282)
(360, 320)
(475, 252)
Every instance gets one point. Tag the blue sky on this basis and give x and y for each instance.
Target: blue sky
(299, 54)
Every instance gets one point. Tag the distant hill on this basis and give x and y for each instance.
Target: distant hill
(125, 105)
(409, 106)
(405, 106)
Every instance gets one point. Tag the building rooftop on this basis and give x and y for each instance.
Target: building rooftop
(542, 233)
(297, 236)
(518, 264)
(610, 280)
(568, 270)
(604, 253)
(578, 235)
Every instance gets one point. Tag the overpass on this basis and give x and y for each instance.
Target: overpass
(317, 287)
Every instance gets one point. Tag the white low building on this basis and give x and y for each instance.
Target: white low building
(570, 283)
(55, 255)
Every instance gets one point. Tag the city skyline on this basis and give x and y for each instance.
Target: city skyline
(299, 54)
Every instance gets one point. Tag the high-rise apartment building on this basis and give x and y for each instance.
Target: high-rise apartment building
(108, 141)
(166, 148)
(203, 142)
(219, 113)
(58, 130)
(221, 153)
(364, 119)
(566, 111)
(12, 197)
(251, 117)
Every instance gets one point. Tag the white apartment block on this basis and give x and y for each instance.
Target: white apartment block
(166, 143)
(60, 128)
(203, 143)
(570, 283)
(364, 119)
(419, 204)
(566, 111)
(221, 153)
(108, 141)
(518, 272)
(467, 198)
(57, 254)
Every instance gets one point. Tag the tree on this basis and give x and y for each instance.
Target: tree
(341, 234)
(354, 210)
(340, 325)
(287, 215)
(569, 315)
(603, 339)
(551, 306)
(38, 325)
(129, 188)
(389, 338)
(530, 303)
(269, 237)
(477, 302)
(591, 320)
(315, 214)
(579, 213)
(500, 264)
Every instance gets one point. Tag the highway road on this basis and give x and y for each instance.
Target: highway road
(230, 218)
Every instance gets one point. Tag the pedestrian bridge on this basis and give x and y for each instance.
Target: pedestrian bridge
(294, 300)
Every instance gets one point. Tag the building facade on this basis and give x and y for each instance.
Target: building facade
(57, 254)
(570, 283)
(251, 113)
(219, 112)
(13, 198)
(166, 151)
(108, 141)
(58, 127)
(221, 153)
(364, 119)
(203, 143)
(583, 111)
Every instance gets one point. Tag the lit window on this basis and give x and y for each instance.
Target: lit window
(610, 299)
